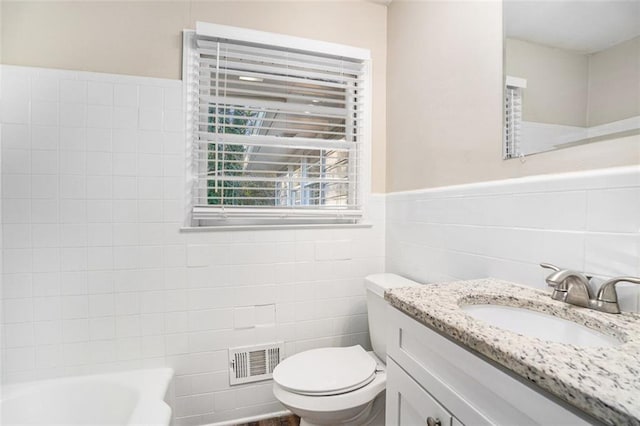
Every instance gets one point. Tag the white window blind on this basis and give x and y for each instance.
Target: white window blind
(513, 116)
(277, 133)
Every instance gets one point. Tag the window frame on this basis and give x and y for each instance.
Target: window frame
(363, 179)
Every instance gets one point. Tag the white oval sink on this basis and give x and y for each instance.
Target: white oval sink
(537, 324)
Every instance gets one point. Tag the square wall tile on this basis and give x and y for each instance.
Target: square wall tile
(43, 163)
(44, 113)
(46, 260)
(17, 286)
(99, 211)
(18, 161)
(150, 142)
(174, 120)
(99, 93)
(17, 260)
(173, 98)
(17, 310)
(75, 307)
(99, 140)
(48, 332)
(150, 119)
(45, 89)
(150, 97)
(45, 235)
(16, 136)
(125, 95)
(73, 91)
(44, 137)
(124, 140)
(44, 211)
(16, 236)
(99, 187)
(99, 116)
(73, 115)
(125, 118)
(72, 137)
(16, 186)
(15, 112)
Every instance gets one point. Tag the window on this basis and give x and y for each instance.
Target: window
(277, 125)
(513, 116)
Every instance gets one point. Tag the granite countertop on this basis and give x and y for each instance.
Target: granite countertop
(604, 382)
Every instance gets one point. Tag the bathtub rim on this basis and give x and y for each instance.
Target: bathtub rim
(152, 386)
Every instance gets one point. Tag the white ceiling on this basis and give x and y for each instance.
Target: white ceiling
(584, 26)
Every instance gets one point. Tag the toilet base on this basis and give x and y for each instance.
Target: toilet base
(371, 415)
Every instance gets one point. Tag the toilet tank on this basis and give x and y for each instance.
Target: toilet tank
(376, 285)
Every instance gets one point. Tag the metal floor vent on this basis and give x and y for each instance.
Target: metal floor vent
(254, 363)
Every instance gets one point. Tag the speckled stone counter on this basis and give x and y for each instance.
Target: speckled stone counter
(604, 382)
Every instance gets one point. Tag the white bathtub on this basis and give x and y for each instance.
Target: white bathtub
(128, 398)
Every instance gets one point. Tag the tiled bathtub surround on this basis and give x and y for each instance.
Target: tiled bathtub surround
(97, 275)
(588, 221)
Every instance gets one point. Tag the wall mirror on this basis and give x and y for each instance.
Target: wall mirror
(571, 73)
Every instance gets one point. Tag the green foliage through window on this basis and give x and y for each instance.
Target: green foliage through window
(229, 160)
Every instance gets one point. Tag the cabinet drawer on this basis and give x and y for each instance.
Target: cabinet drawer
(408, 404)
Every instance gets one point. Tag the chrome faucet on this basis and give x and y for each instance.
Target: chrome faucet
(569, 286)
(573, 287)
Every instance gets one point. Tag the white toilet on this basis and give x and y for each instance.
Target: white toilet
(341, 386)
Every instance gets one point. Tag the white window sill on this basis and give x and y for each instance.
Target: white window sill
(272, 227)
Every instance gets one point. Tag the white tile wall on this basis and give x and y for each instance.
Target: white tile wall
(588, 221)
(97, 275)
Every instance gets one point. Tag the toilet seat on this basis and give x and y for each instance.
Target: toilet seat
(326, 371)
(348, 404)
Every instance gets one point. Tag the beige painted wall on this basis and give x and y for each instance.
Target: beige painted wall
(557, 82)
(144, 38)
(574, 89)
(444, 72)
(1, 7)
(444, 111)
(614, 83)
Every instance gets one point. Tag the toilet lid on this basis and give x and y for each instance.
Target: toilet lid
(326, 371)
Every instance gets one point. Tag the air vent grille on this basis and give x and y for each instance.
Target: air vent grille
(254, 363)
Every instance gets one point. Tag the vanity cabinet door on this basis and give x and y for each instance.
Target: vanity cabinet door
(410, 405)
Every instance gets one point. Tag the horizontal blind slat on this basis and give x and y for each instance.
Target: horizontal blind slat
(283, 96)
(233, 55)
(303, 129)
(203, 71)
(250, 109)
(310, 76)
(209, 212)
(273, 51)
(228, 101)
(278, 120)
(316, 89)
(274, 141)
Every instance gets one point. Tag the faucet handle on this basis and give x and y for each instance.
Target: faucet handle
(550, 266)
(553, 268)
(607, 292)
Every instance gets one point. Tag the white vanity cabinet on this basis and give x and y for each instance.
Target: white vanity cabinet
(432, 380)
